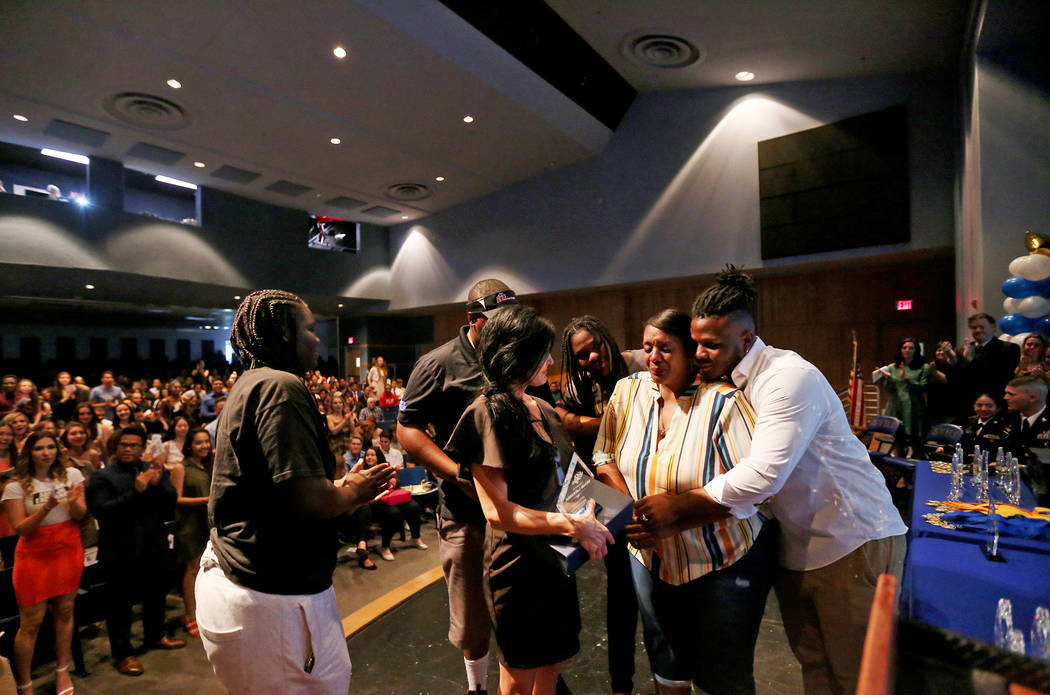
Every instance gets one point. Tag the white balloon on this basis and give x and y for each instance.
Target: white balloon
(1034, 267)
(1010, 305)
(1019, 338)
(1034, 307)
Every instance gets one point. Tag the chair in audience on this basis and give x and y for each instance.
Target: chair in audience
(881, 434)
(941, 440)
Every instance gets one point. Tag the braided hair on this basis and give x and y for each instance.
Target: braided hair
(576, 386)
(259, 327)
(733, 295)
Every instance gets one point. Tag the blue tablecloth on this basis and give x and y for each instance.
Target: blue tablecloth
(936, 486)
(952, 585)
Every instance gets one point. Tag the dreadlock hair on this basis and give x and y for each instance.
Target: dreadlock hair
(259, 327)
(576, 377)
(732, 296)
(512, 346)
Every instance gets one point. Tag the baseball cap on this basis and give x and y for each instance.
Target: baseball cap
(487, 306)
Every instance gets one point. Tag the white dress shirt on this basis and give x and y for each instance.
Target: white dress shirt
(827, 495)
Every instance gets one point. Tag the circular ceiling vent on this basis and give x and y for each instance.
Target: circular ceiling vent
(660, 50)
(146, 111)
(408, 191)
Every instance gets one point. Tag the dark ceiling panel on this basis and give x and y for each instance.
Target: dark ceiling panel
(288, 188)
(82, 135)
(345, 202)
(228, 173)
(153, 153)
(380, 211)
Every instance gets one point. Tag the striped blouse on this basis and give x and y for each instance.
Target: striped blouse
(710, 430)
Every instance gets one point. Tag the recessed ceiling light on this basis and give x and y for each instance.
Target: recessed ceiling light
(81, 201)
(199, 165)
(340, 306)
(468, 119)
(176, 182)
(68, 156)
(89, 287)
(236, 296)
(336, 141)
(174, 84)
(439, 178)
(19, 117)
(339, 52)
(404, 217)
(745, 76)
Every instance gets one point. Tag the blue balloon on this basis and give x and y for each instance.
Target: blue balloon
(1042, 326)
(1044, 287)
(1012, 324)
(1018, 288)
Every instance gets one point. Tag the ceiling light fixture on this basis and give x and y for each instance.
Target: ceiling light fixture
(336, 141)
(439, 178)
(81, 201)
(339, 52)
(175, 182)
(199, 165)
(89, 287)
(236, 296)
(19, 117)
(745, 76)
(404, 217)
(174, 84)
(340, 306)
(68, 156)
(468, 119)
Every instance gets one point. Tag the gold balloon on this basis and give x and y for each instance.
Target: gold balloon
(1037, 243)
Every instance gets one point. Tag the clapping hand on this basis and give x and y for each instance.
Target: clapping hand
(75, 494)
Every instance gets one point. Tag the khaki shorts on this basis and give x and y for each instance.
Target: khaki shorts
(462, 559)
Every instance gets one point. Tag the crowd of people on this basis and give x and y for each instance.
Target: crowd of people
(994, 389)
(743, 470)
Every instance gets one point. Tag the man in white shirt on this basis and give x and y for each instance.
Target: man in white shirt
(392, 455)
(839, 528)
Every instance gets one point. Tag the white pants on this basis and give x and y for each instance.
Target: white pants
(259, 643)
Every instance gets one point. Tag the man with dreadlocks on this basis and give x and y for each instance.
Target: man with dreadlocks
(266, 608)
(839, 528)
(591, 365)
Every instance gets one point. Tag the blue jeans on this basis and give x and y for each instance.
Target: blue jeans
(712, 623)
(661, 658)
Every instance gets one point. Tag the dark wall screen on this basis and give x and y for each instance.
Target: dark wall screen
(839, 186)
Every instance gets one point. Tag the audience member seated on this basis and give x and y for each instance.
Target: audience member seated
(8, 394)
(19, 425)
(987, 363)
(106, 394)
(1027, 426)
(354, 450)
(393, 456)
(340, 425)
(218, 390)
(1034, 360)
(985, 427)
(371, 410)
(192, 481)
(389, 399)
(123, 415)
(43, 501)
(393, 515)
(213, 426)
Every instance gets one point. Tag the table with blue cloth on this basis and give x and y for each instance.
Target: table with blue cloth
(948, 581)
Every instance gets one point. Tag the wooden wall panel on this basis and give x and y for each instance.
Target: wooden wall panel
(811, 310)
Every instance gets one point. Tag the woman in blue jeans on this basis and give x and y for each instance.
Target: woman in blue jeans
(701, 582)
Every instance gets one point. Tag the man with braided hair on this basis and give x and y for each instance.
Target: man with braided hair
(266, 608)
(839, 528)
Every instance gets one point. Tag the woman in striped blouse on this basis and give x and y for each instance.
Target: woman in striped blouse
(702, 582)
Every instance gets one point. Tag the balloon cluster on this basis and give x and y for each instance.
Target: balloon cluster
(1027, 303)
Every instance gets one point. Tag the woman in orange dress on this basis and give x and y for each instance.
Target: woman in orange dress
(44, 500)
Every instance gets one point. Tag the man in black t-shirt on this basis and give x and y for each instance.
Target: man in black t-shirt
(266, 608)
(443, 383)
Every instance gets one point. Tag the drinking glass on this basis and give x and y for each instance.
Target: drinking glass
(1015, 642)
(1004, 622)
(1040, 640)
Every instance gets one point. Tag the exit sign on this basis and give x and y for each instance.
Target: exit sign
(350, 340)
(903, 305)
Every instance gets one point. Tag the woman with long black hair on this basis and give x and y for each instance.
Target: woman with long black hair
(904, 381)
(512, 443)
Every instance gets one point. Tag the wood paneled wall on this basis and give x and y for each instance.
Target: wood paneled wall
(809, 309)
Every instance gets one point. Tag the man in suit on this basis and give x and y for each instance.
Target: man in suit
(987, 363)
(1028, 426)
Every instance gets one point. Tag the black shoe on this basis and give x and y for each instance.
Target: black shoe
(479, 691)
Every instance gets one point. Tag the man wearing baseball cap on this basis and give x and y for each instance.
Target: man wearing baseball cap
(443, 383)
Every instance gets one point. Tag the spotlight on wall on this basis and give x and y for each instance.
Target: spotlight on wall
(175, 182)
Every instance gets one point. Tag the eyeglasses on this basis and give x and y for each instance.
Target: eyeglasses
(128, 445)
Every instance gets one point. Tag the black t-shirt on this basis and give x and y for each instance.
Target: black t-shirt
(443, 383)
(269, 432)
